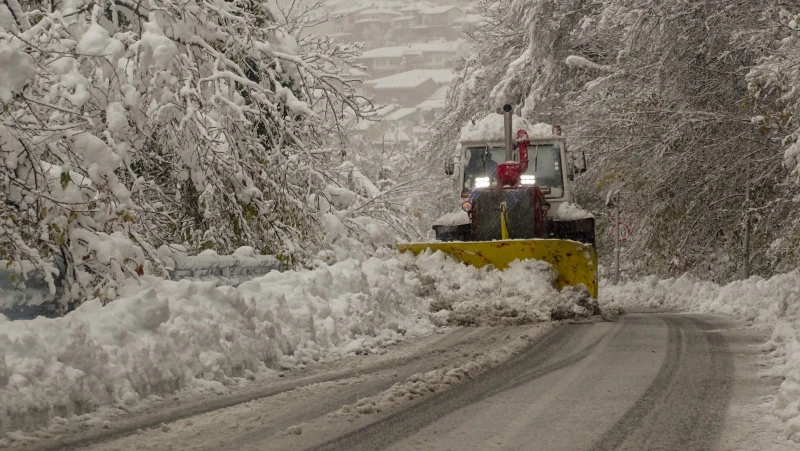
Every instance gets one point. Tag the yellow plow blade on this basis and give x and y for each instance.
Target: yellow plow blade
(575, 262)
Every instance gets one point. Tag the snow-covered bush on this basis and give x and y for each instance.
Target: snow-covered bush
(128, 125)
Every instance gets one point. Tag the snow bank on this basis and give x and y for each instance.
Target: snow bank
(772, 302)
(162, 336)
(524, 293)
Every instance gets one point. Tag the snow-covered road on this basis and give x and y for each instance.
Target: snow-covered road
(644, 382)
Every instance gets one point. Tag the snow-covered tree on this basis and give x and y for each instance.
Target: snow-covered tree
(389, 156)
(128, 125)
(656, 95)
(663, 113)
(774, 85)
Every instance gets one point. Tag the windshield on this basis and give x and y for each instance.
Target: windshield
(544, 167)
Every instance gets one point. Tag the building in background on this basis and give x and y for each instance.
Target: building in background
(409, 51)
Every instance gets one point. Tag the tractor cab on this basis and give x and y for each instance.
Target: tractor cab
(545, 168)
(487, 144)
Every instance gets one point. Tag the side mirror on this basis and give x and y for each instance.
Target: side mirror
(575, 168)
(583, 169)
(450, 166)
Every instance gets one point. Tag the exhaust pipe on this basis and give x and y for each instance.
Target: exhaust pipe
(508, 125)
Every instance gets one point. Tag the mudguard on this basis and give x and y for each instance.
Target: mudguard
(576, 263)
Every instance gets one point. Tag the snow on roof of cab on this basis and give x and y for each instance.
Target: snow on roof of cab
(490, 129)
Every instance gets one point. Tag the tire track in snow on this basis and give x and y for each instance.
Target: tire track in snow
(685, 406)
(130, 426)
(541, 358)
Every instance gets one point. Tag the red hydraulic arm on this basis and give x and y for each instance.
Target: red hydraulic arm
(510, 172)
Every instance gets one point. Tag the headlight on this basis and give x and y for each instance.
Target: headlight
(528, 180)
(466, 206)
(482, 182)
(546, 207)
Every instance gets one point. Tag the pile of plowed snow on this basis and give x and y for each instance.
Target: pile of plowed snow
(524, 293)
(166, 335)
(772, 302)
(163, 336)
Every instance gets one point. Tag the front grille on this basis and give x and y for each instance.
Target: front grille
(521, 213)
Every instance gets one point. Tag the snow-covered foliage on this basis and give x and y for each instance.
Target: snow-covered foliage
(392, 155)
(770, 302)
(667, 122)
(128, 125)
(656, 94)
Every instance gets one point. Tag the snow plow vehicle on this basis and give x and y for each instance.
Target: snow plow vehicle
(516, 202)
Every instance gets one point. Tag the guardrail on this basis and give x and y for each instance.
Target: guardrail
(25, 299)
(19, 301)
(234, 269)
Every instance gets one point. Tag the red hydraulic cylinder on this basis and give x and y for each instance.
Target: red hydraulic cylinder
(510, 172)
